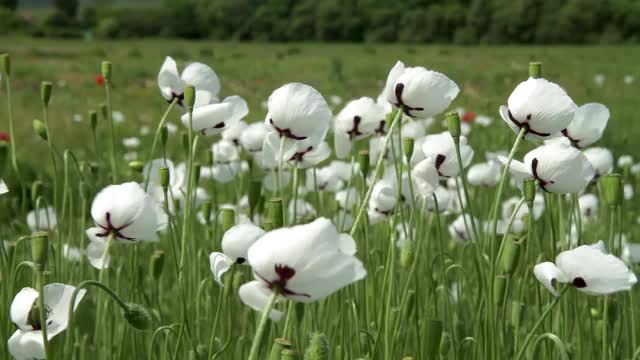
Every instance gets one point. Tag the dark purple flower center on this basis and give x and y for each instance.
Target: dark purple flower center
(286, 132)
(174, 96)
(542, 182)
(355, 131)
(574, 141)
(284, 273)
(579, 283)
(110, 229)
(299, 156)
(526, 124)
(400, 103)
(439, 161)
(380, 129)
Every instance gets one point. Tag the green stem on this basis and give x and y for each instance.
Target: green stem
(112, 150)
(463, 176)
(154, 143)
(41, 309)
(253, 354)
(14, 160)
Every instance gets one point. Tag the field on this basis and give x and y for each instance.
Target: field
(408, 305)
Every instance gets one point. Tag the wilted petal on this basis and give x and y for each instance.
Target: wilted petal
(220, 264)
(546, 273)
(255, 295)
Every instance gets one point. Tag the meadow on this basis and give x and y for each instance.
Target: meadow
(438, 285)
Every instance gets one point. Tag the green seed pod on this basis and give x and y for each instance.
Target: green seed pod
(363, 160)
(407, 358)
(164, 176)
(406, 254)
(529, 191)
(93, 118)
(196, 172)
(275, 213)
(106, 71)
(45, 92)
(40, 129)
(228, 219)
(33, 318)
(5, 64)
(136, 166)
(104, 110)
(510, 255)
(407, 147)
(613, 189)
(516, 313)
(453, 123)
(289, 354)
(499, 288)
(164, 135)
(205, 208)
(390, 116)
(318, 347)
(433, 338)
(137, 316)
(189, 96)
(255, 190)
(39, 248)
(445, 345)
(4, 155)
(535, 70)
(279, 344)
(267, 225)
(157, 264)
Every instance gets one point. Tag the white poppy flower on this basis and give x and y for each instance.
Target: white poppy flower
(77, 118)
(325, 179)
(335, 100)
(509, 206)
(425, 177)
(442, 149)
(625, 160)
(311, 156)
(458, 230)
(343, 170)
(201, 76)
(235, 246)
(588, 204)
(599, 79)
(419, 92)
(635, 169)
(542, 106)
(131, 142)
(253, 136)
(557, 168)
(358, 119)
(171, 128)
(588, 124)
(627, 191)
(305, 263)
(3, 187)
(382, 201)
(483, 120)
(413, 129)
(601, 159)
(442, 194)
(234, 132)
(118, 116)
(484, 174)
(347, 199)
(629, 79)
(299, 115)
(269, 181)
(303, 210)
(631, 252)
(217, 117)
(44, 219)
(589, 268)
(130, 156)
(71, 253)
(26, 343)
(145, 130)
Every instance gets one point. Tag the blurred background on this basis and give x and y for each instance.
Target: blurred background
(416, 21)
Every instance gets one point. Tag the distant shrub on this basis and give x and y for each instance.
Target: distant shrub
(125, 22)
(10, 22)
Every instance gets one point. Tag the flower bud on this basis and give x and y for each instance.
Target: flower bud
(228, 219)
(189, 96)
(39, 248)
(275, 213)
(104, 110)
(45, 92)
(406, 254)
(407, 147)
(510, 255)
(93, 118)
(529, 191)
(40, 129)
(433, 338)
(499, 287)
(5, 64)
(164, 135)
(196, 172)
(136, 166)
(4, 155)
(535, 70)
(157, 264)
(205, 208)
(390, 116)
(363, 159)
(279, 344)
(164, 176)
(106, 71)
(612, 185)
(453, 122)
(137, 316)
(185, 142)
(267, 225)
(255, 190)
(516, 313)
(289, 354)
(318, 347)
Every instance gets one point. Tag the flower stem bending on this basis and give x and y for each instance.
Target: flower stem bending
(253, 354)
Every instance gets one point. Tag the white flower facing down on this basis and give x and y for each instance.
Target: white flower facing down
(359, 118)
(601, 159)
(235, 246)
(298, 114)
(253, 136)
(325, 179)
(226, 162)
(43, 219)
(442, 149)
(484, 174)
(3, 187)
(233, 132)
(419, 92)
(26, 343)
(201, 76)
(588, 124)
(131, 142)
(540, 105)
(126, 212)
(589, 268)
(304, 263)
(215, 118)
(588, 204)
(557, 168)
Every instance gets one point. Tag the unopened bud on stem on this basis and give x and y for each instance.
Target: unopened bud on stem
(407, 147)
(137, 316)
(453, 123)
(613, 189)
(189, 96)
(275, 213)
(529, 191)
(364, 160)
(535, 70)
(106, 71)
(39, 249)
(228, 218)
(5, 64)
(45, 92)
(40, 129)
(157, 264)
(163, 174)
(93, 118)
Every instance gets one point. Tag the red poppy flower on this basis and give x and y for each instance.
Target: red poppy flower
(99, 79)
(5, 137)
(469, 116)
